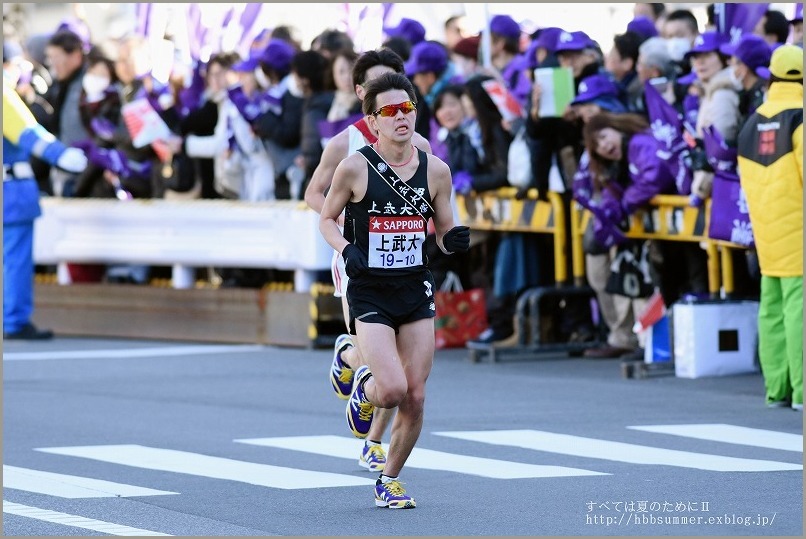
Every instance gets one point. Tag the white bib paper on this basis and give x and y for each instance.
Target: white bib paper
(395, 242)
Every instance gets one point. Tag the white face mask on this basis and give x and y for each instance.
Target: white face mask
(94, 85)
(678, 47)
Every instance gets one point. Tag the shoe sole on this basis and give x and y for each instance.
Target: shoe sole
(370, 467)
(336, 389)
(334, 379)
(406, 505)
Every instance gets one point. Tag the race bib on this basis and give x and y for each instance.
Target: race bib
(395, 242)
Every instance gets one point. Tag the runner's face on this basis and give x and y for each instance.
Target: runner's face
(398, 128)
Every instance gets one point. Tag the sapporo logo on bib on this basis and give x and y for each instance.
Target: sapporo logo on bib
(396, 242)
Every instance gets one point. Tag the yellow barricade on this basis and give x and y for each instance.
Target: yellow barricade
(499, 210)
(667, 218)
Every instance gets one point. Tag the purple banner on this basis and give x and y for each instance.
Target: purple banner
(142, 16)
(667, 128)
(730, 218)
(328, 129)
(734, 20)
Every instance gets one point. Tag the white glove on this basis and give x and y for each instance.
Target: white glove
(72, 160)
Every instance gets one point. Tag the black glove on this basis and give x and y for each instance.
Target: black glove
(355, 263)
(457, 239)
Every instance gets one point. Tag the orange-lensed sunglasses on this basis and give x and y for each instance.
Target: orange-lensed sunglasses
(391, 110)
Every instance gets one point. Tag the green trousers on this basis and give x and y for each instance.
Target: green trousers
(780, 333)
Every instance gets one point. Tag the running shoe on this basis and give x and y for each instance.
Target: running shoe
(341, 375)
(372, 457)
(359, 409)
(392, 495)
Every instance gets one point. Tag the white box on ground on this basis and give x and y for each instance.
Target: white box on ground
(715, 338)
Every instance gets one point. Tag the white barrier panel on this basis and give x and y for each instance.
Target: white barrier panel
(184, 234)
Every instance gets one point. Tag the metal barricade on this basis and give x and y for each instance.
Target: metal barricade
(501, 211)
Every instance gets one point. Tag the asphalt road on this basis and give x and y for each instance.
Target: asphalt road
(125, 437)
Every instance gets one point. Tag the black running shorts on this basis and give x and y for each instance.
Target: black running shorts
(392, 301)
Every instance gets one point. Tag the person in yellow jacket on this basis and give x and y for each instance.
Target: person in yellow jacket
(771, 173)
(23, 137)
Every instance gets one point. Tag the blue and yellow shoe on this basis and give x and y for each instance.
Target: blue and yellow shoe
(341, 375)
(359, 409)
(392, 495)
(372, 457)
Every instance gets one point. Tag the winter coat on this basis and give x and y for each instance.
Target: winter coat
(771, 174)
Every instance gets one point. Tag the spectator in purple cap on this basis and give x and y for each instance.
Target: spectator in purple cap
(505, 47)
(797, 26)
(544, 47)
(276, 60)
(642, 26)
(750, 58)
(596, 93)
(579, 52)
(719, 102)
(281, 127)
(430, 70)
(409, 29)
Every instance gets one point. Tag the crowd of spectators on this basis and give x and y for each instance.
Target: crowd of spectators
(253, 128)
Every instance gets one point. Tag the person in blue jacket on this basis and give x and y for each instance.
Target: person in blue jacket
(23, 137)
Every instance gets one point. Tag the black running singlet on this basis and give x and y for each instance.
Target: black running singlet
(387, 228)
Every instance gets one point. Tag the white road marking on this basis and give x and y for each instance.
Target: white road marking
(169, 460)
(732, 434)
(618, 451)
(133, 353)
(70, 486)
(66, 519)
(426, 459)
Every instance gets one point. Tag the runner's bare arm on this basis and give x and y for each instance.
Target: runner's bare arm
(440, 186)
(345, 178)
(334, 152)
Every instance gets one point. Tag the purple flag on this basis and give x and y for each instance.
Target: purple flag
(190, 98)
(730, 218)
(668, 129)
(247, 20)
(196, 30)
(142, 15)
(734, 19)
(251, 108)
(329, 129)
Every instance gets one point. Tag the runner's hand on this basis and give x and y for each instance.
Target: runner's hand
(355, 263)
(457, 239)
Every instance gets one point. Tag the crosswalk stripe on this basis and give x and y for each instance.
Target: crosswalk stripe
(133, 352)
(169, 460)
(618, 451)
(70, 486)
(426, 459)
(732, 434)
(66, 519)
